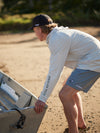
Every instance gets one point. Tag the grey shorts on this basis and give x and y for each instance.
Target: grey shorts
(82, 80)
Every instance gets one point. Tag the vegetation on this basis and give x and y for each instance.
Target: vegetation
(18, 14)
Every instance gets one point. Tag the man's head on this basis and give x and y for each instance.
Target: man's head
(42, 26)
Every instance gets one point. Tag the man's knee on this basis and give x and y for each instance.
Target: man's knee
(67, 93)
(64, 93)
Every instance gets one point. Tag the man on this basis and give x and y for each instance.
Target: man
(74, 49)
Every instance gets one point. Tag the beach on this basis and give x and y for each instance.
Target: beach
(26, 59)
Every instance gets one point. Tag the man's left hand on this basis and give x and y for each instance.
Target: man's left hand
(39, 106)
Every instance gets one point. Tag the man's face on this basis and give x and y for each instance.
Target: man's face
(39, 34)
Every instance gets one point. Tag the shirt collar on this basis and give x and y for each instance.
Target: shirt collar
(54, 29)
(48, 36)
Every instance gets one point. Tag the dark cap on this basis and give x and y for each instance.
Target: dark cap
(41, 20)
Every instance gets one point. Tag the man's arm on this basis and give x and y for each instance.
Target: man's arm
(56, 66)
(57, 61)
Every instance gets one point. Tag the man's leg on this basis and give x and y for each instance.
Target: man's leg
(78, 101)
(67, 95)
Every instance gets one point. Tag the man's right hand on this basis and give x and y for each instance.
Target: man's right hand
(39, 106)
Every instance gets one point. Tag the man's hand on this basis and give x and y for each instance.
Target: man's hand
(39, 106)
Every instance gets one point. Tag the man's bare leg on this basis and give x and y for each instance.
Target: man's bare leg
(70, 108)
(78, 101)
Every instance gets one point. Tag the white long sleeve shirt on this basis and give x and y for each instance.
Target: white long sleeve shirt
(71, 48)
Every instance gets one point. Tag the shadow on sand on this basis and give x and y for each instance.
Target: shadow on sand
(80, 130)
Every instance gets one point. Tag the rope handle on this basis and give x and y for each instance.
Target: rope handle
(21, 121)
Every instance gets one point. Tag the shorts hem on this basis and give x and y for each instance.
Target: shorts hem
(76, 88)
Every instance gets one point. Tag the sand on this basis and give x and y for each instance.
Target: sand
(26, 59)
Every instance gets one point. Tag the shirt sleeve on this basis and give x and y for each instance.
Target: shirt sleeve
(57, 61)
